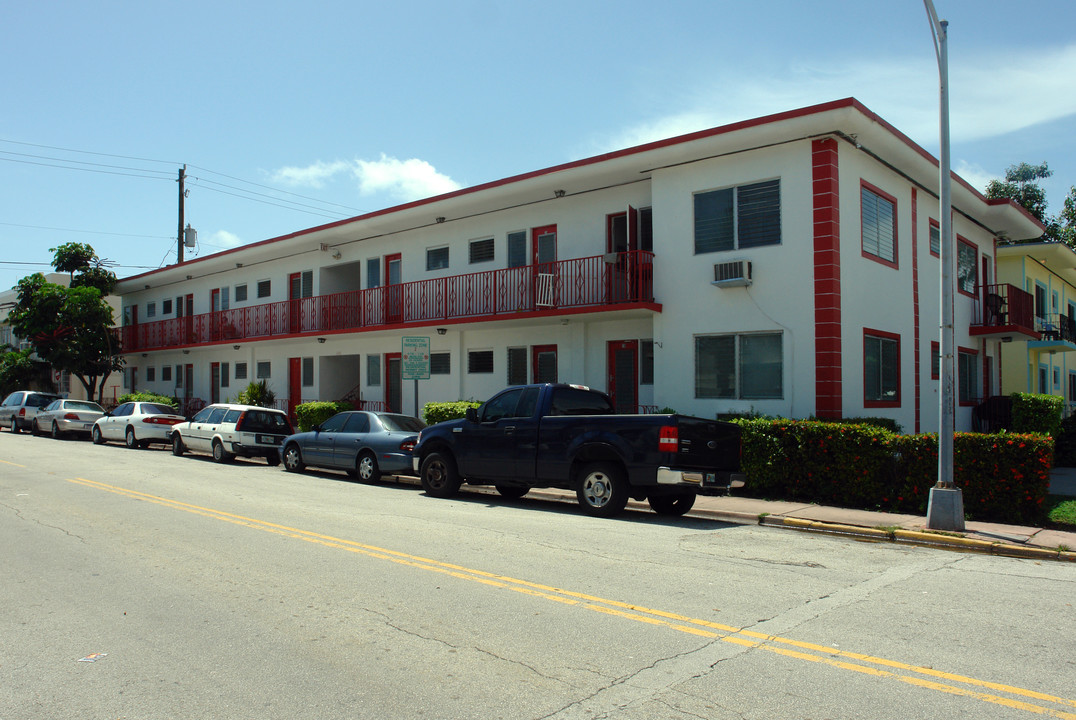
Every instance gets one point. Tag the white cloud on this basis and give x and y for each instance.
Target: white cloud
(310, 176)
(975, 174)
(222, 239)
(401, 180)
(990, 95)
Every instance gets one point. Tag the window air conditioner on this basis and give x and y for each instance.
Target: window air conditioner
(734, 273)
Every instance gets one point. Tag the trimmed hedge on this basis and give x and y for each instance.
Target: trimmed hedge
(1003, 477)
(310, 415)
(1036, 413)
(435, 412)
(147, 397)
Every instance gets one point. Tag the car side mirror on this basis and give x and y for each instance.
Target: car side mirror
(317, 428)
(471, 415)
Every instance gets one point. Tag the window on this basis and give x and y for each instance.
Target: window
(373, 370)
(264, 288)
(1040, 302)
(179, 376)
(967, 260)
(881, 369)
(935, 238)
(440, 363)
(373, 272)
(1072, 387)
(646, 229)
(224, 375)
(646, 362)
(517, 249)
(301, 284)
(480, 361)
(570, 401)
(240, 293)
(481, 250)
(151, 311)
(166, 373)
(746, 367)
(241, 371)
(166, 307)
(151, 374)
(263, 370)
(738, 217)
(517, 366)
(879, 215)
(436, 258)
(968, 372)
(308, 372)
(544, 363)
(935, 361)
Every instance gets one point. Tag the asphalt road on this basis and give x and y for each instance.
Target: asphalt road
(242, 591)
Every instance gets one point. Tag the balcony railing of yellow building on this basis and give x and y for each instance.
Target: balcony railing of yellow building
(601, 281)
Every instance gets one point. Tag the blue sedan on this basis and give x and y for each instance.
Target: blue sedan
(365, 444)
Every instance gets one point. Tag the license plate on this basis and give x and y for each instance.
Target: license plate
(709, 479)
(266, 439)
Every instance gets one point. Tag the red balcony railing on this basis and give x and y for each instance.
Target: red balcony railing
(1003, 308)
(602, 280)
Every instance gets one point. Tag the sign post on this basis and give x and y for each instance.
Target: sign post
(415, 357)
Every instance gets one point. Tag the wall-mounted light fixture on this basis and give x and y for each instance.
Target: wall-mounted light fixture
(238, 265)
(337, 255)
(186, 352)
(442, 331)
(559, 193)
(564, 321)
(440, 218)
(321, 340)
(145, 354)
(190, 277)
(147, 287)
(235, 347)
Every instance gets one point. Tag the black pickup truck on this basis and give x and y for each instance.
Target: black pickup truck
(567, 436)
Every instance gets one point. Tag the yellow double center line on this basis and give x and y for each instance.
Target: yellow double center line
(923, 677)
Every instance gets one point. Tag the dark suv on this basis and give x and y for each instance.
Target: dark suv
(19, 408)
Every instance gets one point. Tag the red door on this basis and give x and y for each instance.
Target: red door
(623, 370)
(393, 289)
(394, 382)
(295, 384)
(544, 363)
(543, 264)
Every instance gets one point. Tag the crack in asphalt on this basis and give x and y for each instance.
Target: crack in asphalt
(20, 516)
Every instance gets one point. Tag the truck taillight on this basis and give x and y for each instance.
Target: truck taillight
(669, 439)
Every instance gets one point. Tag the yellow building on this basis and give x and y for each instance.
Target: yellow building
(1044, 360)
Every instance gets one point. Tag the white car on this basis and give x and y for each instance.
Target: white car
(137, 424)
(61, 417)
(227, 430)
(19, 408)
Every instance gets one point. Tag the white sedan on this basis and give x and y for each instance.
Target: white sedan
(137, 424)
(61, 417)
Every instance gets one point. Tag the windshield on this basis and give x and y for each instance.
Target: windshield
(84, 405)
(401, 423)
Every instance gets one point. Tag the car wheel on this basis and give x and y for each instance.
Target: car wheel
(293, 459)
(98, 438)
(672, 504)
(272, 459)
(15, 425)
(129, 438)
(34, 429)
(220, 454)
(177, 445)
(603, 491)
(439, 475)
(56, 434)
(512, 492)
(367, 468)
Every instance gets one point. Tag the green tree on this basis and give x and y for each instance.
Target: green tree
(1021, 184)
(71, 327)
(18, 371)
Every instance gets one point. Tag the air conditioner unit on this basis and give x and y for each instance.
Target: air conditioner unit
(734, 273)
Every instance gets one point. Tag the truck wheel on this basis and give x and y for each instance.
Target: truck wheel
(603, 491)
(672, 504)
(439, 475)
(366, 468)
(512, 492)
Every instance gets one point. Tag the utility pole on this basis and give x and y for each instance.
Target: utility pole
(179, 233)
(945, 509)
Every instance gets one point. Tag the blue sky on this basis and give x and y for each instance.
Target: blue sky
(355, 106)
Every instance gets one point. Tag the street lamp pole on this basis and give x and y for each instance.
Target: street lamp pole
(945, 510)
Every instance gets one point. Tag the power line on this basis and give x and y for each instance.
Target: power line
(251, 192)
(335, 216)
(89, 232)
(276, 190)
(89, 152)
(93, 170)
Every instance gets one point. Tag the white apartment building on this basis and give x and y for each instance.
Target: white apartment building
(786, 265)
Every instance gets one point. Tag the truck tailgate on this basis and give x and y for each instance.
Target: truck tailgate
(708, 444)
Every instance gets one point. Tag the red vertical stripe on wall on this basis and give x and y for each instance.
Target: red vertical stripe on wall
(827, 278)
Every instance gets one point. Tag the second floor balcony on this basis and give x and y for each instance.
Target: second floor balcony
(609, 281)
(1004, 310)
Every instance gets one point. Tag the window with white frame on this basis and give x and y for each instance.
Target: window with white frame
(224, 372)
(879, 222)
(179, 376)
(308, 372)
(151, 374)
(373, 370)
(646, 362)
(166, 373)
(967, 271)
(240, 371)
(747, 366)
(935, 238)
(481, 250)
(517, 248)
(440, 363)
(373, 272)
(263, 370)
(738, 217)
(265, 288)
(166, 307)
(517, 366)
(437, 258)
(881, 369)
(151, 311)
(241, 293)
(968, 372)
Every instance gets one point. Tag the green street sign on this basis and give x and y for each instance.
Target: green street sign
(415, 352)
